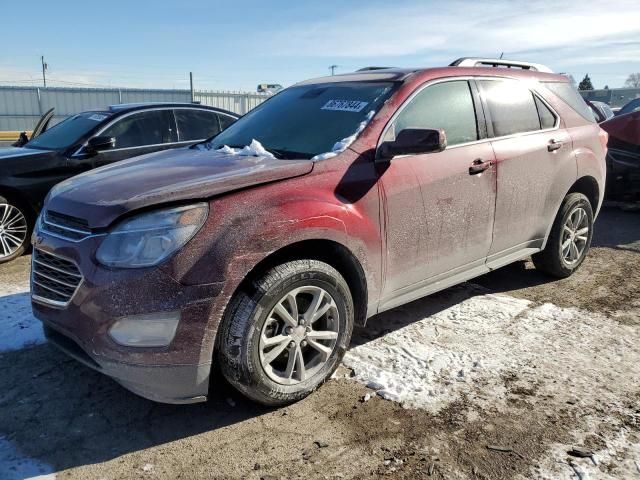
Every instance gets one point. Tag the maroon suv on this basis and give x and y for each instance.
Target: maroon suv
(338, 198)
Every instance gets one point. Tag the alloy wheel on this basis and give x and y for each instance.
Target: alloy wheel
(299, 335)
(13, 229)
(575, 235)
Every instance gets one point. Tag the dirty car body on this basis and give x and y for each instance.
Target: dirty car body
(351, 219)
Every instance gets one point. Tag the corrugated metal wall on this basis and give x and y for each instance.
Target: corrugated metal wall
(21, 107)
(615, 97)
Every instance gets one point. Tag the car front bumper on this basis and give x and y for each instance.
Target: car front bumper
(175, 373)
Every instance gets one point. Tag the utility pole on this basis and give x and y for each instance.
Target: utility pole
(44, 69)
(191, 83)
(333, 69)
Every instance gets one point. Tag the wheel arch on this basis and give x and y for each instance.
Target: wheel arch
(14, 194)
(324, 250)
(588, 186)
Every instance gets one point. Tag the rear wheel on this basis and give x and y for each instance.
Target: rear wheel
(570, 238)
(283, 336)
(14, 230)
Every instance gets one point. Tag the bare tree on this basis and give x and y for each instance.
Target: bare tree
(633, 81)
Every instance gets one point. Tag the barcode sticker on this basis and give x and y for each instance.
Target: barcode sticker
(345, 105)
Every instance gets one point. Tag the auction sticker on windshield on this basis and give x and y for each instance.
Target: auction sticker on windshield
(345, 105)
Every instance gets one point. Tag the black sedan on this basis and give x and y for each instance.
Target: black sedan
(86, 141)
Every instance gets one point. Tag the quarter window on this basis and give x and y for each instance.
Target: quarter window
(511, 106)
(196, 124)
(547, 118)
(447, 105)
(141, 129)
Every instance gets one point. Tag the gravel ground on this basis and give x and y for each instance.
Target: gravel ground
(498, 378)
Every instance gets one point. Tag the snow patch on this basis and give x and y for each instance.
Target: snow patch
(343, 144)
(424, 364)
(18, 325)
(15, 466)
(439, 349)
(254, 149)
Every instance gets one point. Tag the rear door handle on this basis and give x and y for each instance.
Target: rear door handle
(479, 166)
(554, 145)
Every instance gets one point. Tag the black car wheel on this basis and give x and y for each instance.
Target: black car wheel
(15, 230)
(570, 238)
(283, 336)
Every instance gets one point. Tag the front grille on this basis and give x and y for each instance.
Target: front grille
(54, 280)
(65, 226)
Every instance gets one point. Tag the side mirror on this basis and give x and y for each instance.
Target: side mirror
(98, 144)
(413, 141)
(23, 140)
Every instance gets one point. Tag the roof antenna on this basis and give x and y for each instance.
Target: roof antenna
(501, 55)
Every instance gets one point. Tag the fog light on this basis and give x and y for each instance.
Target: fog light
(148, 330)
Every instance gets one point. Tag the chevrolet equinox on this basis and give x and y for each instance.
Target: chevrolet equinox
(259, 249)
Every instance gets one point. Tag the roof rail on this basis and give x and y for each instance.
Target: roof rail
(499, 62)
(368, 69)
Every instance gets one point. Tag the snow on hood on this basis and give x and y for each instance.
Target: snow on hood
(254, 149)
(343, 144)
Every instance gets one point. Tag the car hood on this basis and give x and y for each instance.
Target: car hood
(101, 196)
(14, 160)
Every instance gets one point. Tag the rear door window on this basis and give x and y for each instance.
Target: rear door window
(196, 124)
(512, 107)
(141, 129)
(446, 105)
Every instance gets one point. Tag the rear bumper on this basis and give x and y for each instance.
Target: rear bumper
(176, 384)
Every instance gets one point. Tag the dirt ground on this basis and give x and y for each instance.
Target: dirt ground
(547, 386)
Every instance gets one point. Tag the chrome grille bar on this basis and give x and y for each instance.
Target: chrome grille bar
(54, 279)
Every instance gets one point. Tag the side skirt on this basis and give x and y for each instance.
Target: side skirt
(459, 275)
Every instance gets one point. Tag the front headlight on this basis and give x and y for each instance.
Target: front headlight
(149, 238)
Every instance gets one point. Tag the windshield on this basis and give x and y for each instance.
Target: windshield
(67, 132)
(308, 120)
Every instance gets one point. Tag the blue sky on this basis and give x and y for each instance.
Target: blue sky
(234, 45)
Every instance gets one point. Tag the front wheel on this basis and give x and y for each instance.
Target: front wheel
(570, 238)
(284, 335)
(14, 230)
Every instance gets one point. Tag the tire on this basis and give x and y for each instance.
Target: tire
(254, 317)
(554, 260)
(15, 225)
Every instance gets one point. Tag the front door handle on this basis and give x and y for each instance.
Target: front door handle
(479, 166)
(554, 145)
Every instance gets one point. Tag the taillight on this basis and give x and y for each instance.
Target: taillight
(604, 138)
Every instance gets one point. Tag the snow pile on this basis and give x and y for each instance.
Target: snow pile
(343, 144)
(453, 344)
(14, 466)
(254, 149)
(19, 327)
(428, 363)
